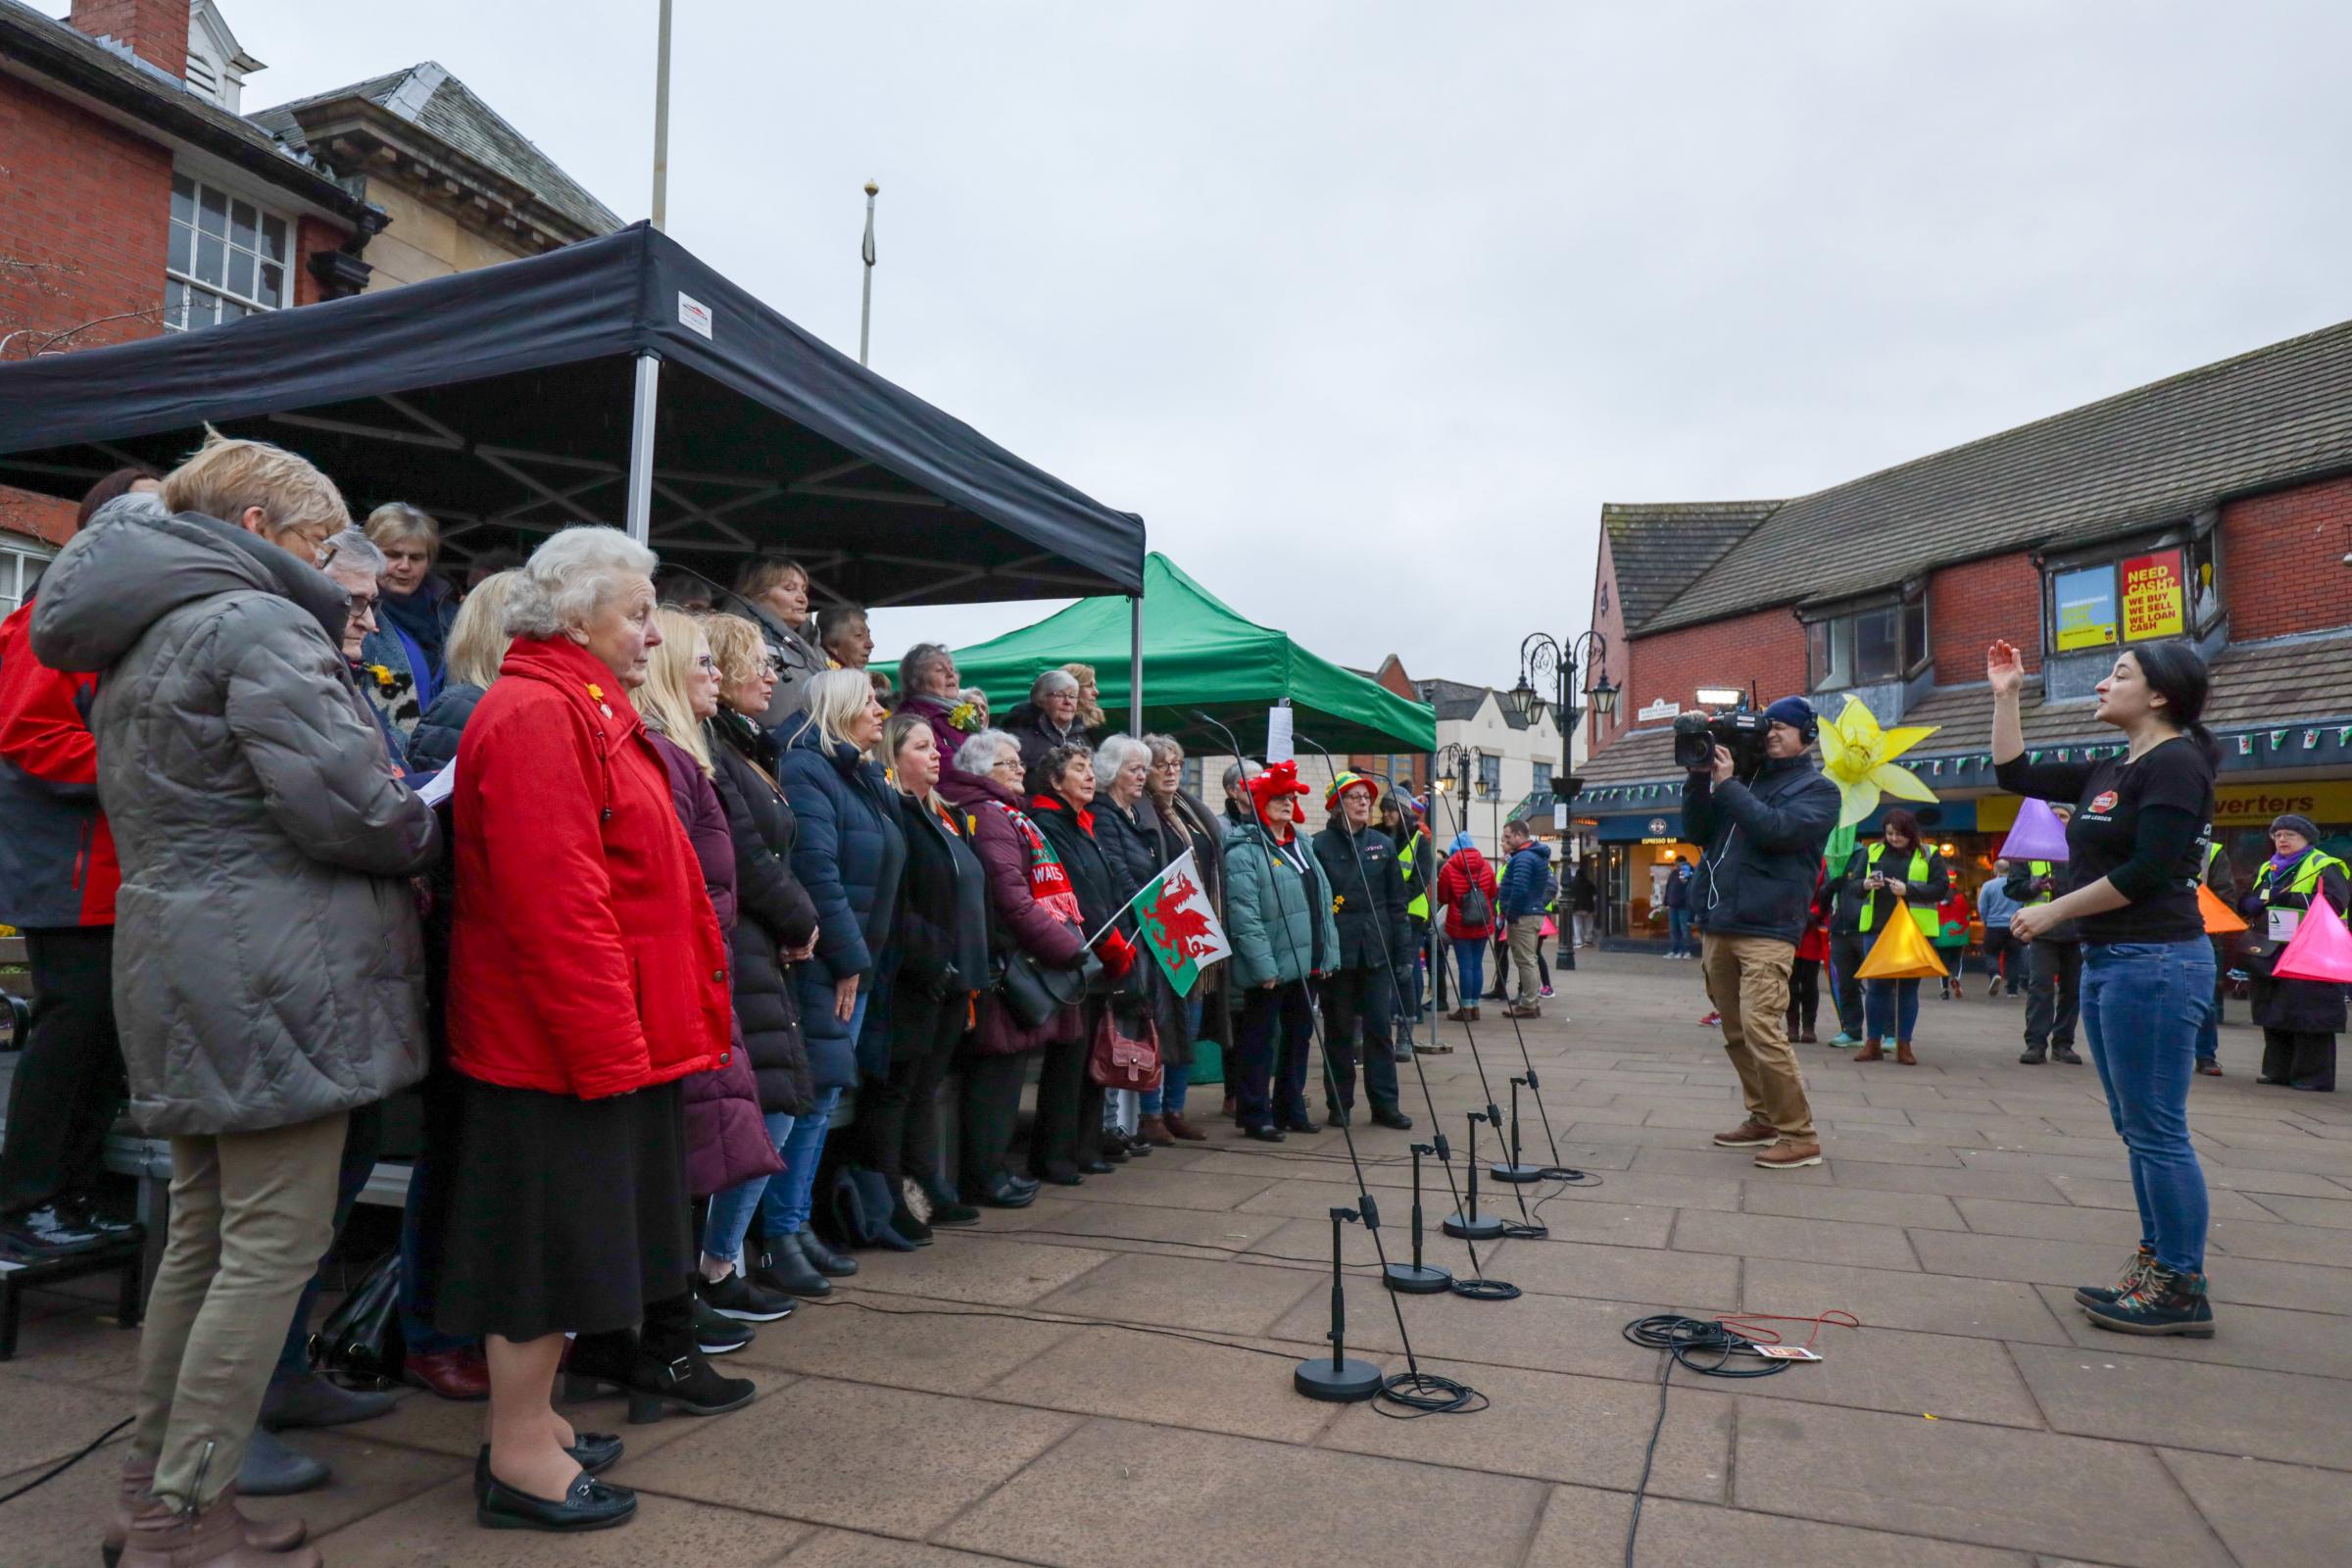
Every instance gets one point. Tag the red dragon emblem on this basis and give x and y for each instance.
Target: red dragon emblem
(1182, 930)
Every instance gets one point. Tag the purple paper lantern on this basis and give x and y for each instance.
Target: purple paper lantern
(2038, 834)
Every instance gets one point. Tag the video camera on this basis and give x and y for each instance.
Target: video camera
(1739, 732)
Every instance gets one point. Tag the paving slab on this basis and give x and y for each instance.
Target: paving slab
(2219, 1409)
(885, 1460)
(1157, 1498)
(1139, 1377)
(1586, 1529)
(1815, 1241)
(1617, 1273)
(900, 1341)
(437, 1530)
(846, 1549)
(1991, 1310)
(2271, 1338)
(1186, 1293)
(2272, 1515)
(1016, 1272)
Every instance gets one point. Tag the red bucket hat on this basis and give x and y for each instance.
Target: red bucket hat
(1282, 778)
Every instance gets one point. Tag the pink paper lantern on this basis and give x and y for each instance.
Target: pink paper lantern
(2320, 950)
(2037, 834)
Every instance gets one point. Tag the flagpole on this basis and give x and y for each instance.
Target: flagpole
(865, 307)
(661, 124)
(1137, 896)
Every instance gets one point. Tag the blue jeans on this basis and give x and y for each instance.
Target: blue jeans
(1891, 1008)
(1168, 1098)
(1470, 957)
(732, 1208)
(1678, 931)
(784, 1207)
(2144, 1005)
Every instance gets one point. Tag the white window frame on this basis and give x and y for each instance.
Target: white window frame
(222, 295)
(20, 563)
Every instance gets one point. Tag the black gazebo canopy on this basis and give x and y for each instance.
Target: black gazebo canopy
(619, 381)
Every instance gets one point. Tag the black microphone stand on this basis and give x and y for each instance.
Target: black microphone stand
(1417, 1278)
(1335, 1378)
(1513, 1170)
(1470, 1225)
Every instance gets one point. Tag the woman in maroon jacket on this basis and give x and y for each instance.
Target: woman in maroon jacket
(587, 977)
(1031, 908)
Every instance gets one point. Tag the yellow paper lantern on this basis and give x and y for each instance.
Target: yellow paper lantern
(1860, 756)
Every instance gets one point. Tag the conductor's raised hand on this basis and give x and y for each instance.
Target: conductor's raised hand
(2004, 668)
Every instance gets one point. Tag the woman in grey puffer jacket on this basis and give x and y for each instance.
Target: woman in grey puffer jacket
(269, 977)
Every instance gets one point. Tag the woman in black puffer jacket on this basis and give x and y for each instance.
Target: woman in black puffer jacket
(476, 646)
(775, 925)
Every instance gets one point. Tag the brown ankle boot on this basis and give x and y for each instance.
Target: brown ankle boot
(1183, 1129)
(1154, 1130)
(138, 1477)
(164, 1536)
(1870, 1050)
(1902, 1055)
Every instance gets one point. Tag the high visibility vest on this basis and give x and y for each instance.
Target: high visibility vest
(1418, 906)
(2306, 879)
(2038, 870)
(1931, 924)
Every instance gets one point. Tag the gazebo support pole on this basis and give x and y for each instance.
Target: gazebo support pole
(641, 447)
(1134, 665)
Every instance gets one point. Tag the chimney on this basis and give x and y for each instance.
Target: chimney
(156, 30)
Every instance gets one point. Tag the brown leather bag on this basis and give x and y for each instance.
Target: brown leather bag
(1119, 1060)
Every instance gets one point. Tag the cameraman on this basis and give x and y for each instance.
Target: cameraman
(1763, 836)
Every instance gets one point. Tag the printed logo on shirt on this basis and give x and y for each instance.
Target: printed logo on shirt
(2103, 803)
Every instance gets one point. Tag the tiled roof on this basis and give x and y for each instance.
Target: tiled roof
(2158, 453)
(2286, 682)
(428, 97)
(1660, 550)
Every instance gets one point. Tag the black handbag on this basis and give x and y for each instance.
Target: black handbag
(360, 1343)
(1033, 992)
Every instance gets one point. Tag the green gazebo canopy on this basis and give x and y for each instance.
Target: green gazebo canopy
(1200, 657)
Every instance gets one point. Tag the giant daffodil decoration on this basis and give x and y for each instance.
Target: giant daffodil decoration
(1860, 756)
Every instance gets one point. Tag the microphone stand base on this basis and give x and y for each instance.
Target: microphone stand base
(1349, 1383)
(1408, 1279)
(1485, 1228)
(1516, 1173)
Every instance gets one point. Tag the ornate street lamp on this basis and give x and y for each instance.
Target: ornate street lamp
(1542, 659)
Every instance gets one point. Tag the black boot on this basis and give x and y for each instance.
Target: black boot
(665, 1372)
(907, 1227)
(784, 1270)
(822, 1259)
(947, 1208)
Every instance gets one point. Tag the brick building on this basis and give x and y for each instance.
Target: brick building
(2215, 504)
(137, 197)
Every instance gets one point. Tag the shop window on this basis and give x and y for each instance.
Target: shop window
(21, 567)
(1542, 778)
(227, 258)
(2140, 595)
(1886, 642)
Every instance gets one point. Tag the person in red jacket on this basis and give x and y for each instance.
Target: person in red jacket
(58, 877)
(1468, 893)
(1804, 978)
(587, 977)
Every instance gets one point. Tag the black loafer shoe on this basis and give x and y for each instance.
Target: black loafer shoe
(1097, 1167)
(594, 1452)
(1115, 1152)
(1264, 1135)
(589, 1505)
(958, 1212)
(1299, 1124)
(1006, 1196)
(48, 1232)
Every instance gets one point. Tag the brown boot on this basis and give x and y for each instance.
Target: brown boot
(1902, 1055)
(1749, 1134)
(1462, 1015)
(162, 1536)
(1790, 1153)
(138, 1476)
(1870, 1050)
(1474, 1018)
(1180, 1128)
(1154, 1130)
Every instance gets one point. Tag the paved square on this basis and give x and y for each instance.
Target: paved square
(1975, 1420)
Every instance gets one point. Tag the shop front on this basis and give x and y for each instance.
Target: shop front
(1637, 851)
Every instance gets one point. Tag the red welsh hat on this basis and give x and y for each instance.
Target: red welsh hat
(1282, 778)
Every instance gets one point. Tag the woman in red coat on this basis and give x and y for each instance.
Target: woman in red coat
(1465, 884)
(1805, 976)
(587, 977)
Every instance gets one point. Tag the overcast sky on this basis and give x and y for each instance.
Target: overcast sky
(1368, 307)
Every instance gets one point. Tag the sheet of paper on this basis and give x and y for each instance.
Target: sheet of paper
(433, 791)
(2284, 924)
(1279, 746)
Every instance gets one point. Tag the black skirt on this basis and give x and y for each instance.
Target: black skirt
(563, 1215)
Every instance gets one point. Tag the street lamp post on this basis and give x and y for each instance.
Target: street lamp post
(1542, 657)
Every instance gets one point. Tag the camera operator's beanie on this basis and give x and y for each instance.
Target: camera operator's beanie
(1796, 713)
(2295, 823)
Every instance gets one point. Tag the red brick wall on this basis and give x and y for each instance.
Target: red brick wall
(2282, 565)
(1767, 647)
(1969, 605)
(157, 30)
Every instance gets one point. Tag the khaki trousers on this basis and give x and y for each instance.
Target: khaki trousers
(252, 1213)
(1527, 938)
(1747, 980)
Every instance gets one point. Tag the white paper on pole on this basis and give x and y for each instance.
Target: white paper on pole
(1279, 746)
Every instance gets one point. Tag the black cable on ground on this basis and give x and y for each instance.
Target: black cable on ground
(69, 1461)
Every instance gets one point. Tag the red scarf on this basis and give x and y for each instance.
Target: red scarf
(1054, 802)
(1048, 882)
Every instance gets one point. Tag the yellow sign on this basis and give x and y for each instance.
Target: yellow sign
(2152, 597)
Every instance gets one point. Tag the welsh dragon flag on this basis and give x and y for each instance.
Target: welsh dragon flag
(1179, 925)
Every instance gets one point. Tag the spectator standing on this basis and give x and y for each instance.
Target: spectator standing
(1468, 893)
(58, 878)
(2221, 878)
(1359, 862)
(1900, 876)
(2003, 959)
(2053, 960)
(1584, 905)
(1049, 718)
(476, 646)
(932, 693)
(847, 638)
(1678, 911)
(1952, 918)
(1805, 976)
(776, 593)
(2300, 1018)
(241, 778)
(414, 615)
(1526, 886)
(1091, 717)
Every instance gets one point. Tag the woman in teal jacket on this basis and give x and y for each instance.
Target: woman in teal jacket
(1278, 917)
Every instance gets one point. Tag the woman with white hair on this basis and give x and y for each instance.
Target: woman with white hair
(587, 978)
(1049, 718)
(850, 853)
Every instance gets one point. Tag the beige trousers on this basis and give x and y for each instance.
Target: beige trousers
(1527, 938)
(252, 1213)
(1747, 980)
